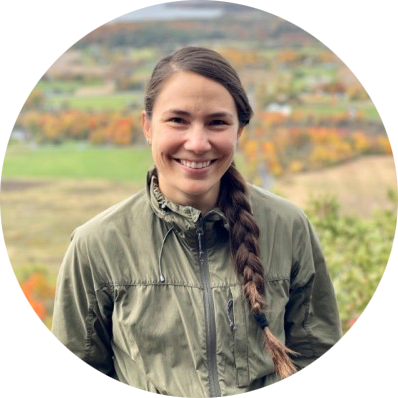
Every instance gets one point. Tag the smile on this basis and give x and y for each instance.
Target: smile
(195, 165)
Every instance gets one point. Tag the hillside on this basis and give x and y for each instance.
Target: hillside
(182, 22)
(360, 185)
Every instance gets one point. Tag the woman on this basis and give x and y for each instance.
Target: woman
(200, 285)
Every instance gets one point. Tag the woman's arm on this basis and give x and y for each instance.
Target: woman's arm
(312, 322)
(82, 310)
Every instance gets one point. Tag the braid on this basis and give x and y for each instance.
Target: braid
(244, 235)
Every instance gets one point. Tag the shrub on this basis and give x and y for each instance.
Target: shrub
(356, 250)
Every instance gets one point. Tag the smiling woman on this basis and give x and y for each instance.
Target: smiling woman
(201, 285)
(193, 130)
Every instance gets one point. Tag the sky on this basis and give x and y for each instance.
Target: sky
(161, 11)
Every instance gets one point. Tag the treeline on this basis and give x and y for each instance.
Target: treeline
(272, 148)
(116, 128)
(254, 26)
(140, 35)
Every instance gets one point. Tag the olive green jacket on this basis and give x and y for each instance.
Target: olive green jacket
(147, 294)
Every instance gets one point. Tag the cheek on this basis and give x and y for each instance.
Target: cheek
(228, 145)
(163, 146)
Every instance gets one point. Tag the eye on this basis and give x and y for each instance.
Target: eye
(177, 120)
(218, 122)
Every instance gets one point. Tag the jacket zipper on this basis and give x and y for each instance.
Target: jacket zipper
(209, 315)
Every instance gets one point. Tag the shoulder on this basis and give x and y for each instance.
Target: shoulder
(102, 247)
(273, 206)
(117, 219)
(277, 216)
(286, 226)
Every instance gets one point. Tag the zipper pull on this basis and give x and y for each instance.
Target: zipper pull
(199, 232)
(199, 229)
(230, 314)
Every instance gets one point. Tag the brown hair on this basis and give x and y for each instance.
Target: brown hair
(204, 62)
(233, 200)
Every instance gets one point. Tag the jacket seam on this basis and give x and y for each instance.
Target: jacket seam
(277, 278)
(226, 285)
(113, 285)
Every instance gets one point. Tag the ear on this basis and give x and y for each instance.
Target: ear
(146, 127)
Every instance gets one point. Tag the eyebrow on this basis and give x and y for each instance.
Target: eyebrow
(180, 112)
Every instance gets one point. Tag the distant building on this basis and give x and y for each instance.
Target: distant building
(19, 135)
(285, 109)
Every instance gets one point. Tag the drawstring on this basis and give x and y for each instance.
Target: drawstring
(161, 277)
(230, 314)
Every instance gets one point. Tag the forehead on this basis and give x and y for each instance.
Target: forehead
(191, 90)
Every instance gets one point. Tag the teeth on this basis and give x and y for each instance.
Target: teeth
(195, 165)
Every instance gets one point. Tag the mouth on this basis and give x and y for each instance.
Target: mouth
(195, 165)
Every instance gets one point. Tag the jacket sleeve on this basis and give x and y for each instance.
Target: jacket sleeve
(312, 322)
(82, 310)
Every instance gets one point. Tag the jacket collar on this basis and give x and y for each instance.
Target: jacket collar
(184, 219)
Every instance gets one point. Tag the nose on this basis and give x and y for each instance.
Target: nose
(197, 140)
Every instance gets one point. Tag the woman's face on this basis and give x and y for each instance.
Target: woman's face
(193, 132)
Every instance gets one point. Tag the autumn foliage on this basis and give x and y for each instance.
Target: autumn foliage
(115, 128)
(39, 290)
(283, 146)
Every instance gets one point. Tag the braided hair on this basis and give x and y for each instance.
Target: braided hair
(244, 235)
(233, 200)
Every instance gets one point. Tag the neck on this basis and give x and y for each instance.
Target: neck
(204, 202)
(203, 206)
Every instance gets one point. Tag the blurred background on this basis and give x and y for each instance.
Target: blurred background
(316, 138)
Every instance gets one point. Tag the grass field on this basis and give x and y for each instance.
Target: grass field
(328, 110)
(39, 215)
(77, 162)
(113, 102)
(60, 86)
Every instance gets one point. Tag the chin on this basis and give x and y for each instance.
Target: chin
(195, 191)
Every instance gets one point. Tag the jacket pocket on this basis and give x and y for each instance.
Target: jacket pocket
(237, 322)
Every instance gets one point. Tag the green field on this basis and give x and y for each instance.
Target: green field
(114, 102)
(59, 86)
(329, 110)
(77, 162)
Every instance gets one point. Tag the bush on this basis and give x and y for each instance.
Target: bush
(356, 250)
(39, 289)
